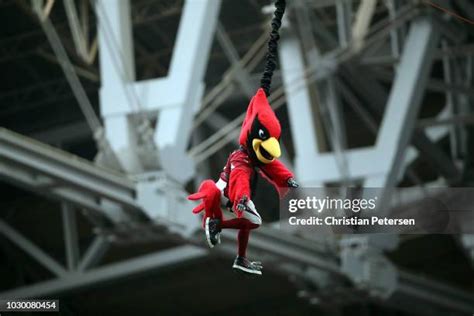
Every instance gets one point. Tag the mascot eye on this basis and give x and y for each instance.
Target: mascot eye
(261, 134)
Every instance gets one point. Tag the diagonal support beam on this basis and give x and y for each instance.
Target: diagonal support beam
(364, 15)
(132, 267)
(375, 96)
(403, 103)
(30, 248)
(94, 253)
(343, 13)
(75, 26)
(241, 74)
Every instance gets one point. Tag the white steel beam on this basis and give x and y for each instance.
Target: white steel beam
(117, 70)
(188, 63)
(403, 103)
(300, 112)
(357, 159)
(174, 98)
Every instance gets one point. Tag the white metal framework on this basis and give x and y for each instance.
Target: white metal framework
(146, 194)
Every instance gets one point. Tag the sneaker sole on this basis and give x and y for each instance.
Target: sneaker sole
(249, 271)
(208, 236)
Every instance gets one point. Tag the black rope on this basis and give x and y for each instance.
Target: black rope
(271, 58)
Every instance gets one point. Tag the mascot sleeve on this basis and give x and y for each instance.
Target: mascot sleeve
(277, 174)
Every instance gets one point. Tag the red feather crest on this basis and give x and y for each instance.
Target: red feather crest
(260, 107)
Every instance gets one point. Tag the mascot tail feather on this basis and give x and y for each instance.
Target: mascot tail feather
(211, 200)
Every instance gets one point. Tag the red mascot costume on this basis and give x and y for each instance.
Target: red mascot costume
(257, 155)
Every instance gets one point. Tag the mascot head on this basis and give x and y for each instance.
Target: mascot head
(261, 130)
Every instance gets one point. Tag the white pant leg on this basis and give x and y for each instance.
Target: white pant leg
(252, 214)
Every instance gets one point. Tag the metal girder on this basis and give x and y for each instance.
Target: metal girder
(121, 96)
(357, 106)
(423, 41)
(117, 69)
(439, 160)
(395, 35)
(426, 294)
(450, 104)
(241, 74)
(94, 253)
(302, 117)
(75, 280)
(75, 26)
(403, 103)
(335, 124)
(20, 46)
(152, 63)
(63, 134)
(152, 11)
(303, 19)
(33, 96)
(31, 249)
(362, 22)
(285, 248)
(79, 34)
(70, 74)
(115, 198)
(434, 85)
(321, 30)
(88, 73)
(67, 176)
(187, 69)
(304, 137)
(71, 243)
(25, 178)
(280, 247)
(26, 44)
(375, 96)
(344, 17)
(219, 93)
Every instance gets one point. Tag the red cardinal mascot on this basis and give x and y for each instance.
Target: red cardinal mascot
(257, 155)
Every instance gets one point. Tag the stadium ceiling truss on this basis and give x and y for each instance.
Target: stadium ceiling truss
(136, 184)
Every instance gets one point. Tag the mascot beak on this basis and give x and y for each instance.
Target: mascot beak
(266, 150)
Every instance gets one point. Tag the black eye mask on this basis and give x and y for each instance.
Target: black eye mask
(256, 132)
